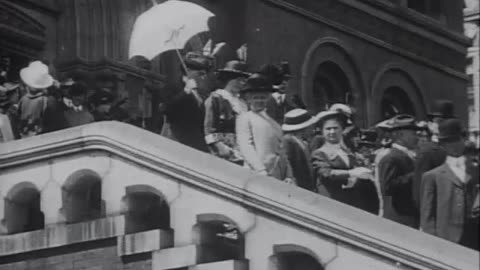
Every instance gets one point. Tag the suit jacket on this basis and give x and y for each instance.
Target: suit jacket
(395, 172)
(259, 139)
(429, 157)
(299, 157)
(184, 121)
(446, 202)
(324, 160)
(278, 110)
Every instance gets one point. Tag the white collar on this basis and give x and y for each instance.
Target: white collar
(405, 150)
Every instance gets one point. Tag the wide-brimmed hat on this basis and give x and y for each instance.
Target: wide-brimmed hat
(198, 61)
(327, 115)
(343, 109)
(403, 121)
(442, 109)
(298, 119)
(257, 83)
(36, 75)
(232, 69)
(384, 125)
(450, 130)
(368, 137)
(276, 73)
(102, 96)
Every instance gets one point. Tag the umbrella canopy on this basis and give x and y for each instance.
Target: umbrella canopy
(167, 26)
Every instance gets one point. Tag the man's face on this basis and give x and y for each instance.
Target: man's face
(281, 88)
(408, 137)
(455, 148)
(433, 126)
(204, 80)
(257, 101)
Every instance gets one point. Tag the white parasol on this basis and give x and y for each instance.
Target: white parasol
(167, 26)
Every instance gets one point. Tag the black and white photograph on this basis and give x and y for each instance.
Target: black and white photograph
(239, 134)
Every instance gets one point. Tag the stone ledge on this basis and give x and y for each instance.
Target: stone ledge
(62, 235)
(142, 242)
(185, 256)
(224, 265)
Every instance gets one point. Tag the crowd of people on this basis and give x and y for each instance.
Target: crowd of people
(422, 174)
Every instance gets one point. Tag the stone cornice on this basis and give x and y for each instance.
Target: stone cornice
(263, 195)
(460, 46)
(79, 64)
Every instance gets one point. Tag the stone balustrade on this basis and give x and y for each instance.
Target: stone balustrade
(112, 196)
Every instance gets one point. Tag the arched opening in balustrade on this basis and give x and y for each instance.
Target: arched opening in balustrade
(219, 238)
(82, 197)
(293, 257)
(22, 209)
(145, 209)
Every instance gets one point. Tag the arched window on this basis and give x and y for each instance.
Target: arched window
(22, 209)
(331, 86)
(145, 209)
(219, 237)
(82, 197)
(396, 101)
(292, 257)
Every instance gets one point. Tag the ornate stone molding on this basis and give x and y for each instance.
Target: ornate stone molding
(262, 195)
(411, 46)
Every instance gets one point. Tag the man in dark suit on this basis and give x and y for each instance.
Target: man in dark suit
(279, 103)
(298, 127)
(448, 191)
(431, 154)
(395, 172)
(185, 112)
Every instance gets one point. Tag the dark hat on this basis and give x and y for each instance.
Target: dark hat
(276, 73)
(4, 99)
(102, 96)
(368, 137)
(198, 61)
(442, 109)
(402, 121)
(257, 83)
(233, 69)
(77, 89)
(450, 130)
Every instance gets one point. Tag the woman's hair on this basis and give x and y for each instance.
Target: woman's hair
(339, 118)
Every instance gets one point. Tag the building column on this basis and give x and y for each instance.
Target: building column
(51, 203)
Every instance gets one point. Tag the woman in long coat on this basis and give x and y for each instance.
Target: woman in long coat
(259, 136)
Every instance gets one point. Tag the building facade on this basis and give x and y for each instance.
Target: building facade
(381, 56)
(472, 31)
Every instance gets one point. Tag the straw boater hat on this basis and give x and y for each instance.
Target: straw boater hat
(298, 119)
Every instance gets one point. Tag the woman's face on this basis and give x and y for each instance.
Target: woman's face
(257, 101)
(332, 131)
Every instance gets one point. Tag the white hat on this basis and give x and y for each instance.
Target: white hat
(36, 75)
(344, 109)
(298, 119)
(323, 114)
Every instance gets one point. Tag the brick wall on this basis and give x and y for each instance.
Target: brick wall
(95, 255)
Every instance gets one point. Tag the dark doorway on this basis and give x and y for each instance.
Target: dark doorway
(331, 86)
(396, 101)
